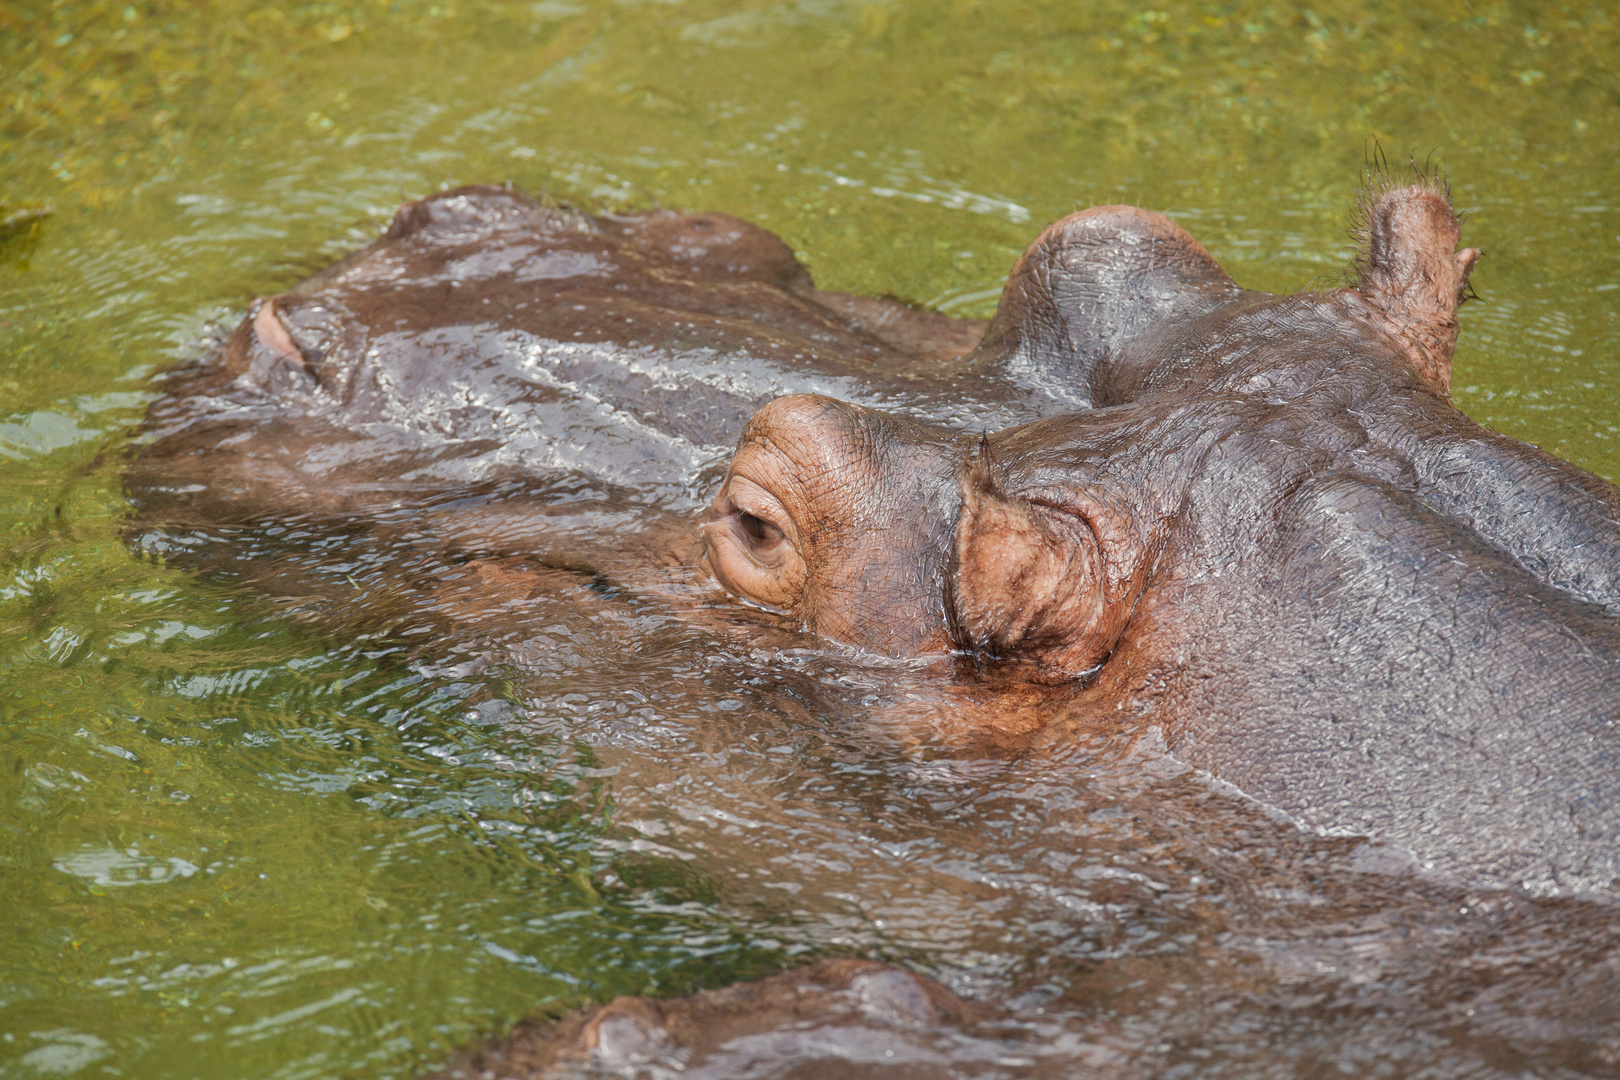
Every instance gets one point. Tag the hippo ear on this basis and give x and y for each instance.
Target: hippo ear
(1085, 288)
(1047, 578)
(1410, 271)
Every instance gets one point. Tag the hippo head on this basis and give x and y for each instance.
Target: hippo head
(1203, 412)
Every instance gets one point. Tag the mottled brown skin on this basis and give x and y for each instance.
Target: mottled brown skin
(1266, 534)
(835, 1017)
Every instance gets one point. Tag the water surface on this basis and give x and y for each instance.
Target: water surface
(238, 842)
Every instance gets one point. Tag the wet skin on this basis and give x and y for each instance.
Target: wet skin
(1265, 533)
(1252, 524)
(1248, 528)
(821, 1019)
(483, 341)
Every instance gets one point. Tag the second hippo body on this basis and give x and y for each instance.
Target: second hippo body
(484, 340)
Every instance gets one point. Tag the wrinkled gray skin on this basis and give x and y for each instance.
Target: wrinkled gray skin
(1268, 536)
(1365, 608)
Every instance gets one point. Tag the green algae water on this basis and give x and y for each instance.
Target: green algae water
(236, 844)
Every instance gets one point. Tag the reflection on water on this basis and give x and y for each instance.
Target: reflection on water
(372, 816)
(108, 866)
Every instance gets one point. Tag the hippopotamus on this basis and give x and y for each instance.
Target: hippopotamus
(1251, 526)
(1139, 508)
(1264, 534)
(484, 342)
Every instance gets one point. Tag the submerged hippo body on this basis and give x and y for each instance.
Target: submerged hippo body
(829, 1018)
(1265, 534)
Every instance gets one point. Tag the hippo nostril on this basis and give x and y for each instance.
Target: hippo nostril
(272, 333)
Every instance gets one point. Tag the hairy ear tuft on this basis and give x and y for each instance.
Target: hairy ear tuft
(1043, 580)
(1410, 271)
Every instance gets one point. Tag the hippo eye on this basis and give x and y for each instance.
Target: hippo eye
(762, 536)
(749, 545)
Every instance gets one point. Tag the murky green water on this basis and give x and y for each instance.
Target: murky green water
(234, 845)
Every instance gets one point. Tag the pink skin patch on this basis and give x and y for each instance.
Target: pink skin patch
(267, 325)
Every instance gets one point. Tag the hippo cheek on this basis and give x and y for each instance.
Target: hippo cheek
(885, 608)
